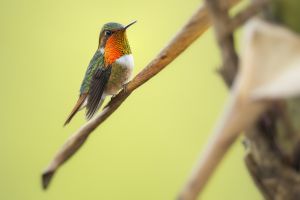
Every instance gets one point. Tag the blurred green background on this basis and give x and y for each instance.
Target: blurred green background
(148, 147)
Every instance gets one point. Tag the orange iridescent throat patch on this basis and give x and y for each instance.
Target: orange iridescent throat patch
(116, 46)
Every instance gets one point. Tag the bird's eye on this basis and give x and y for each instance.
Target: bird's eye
(107, 33)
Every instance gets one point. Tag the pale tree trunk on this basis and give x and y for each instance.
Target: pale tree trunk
(273, 144)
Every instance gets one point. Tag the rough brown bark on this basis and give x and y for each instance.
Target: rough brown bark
(273, 152)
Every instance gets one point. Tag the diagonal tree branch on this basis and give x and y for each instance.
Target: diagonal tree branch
(197, 25)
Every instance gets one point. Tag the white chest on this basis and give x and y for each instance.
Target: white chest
(126, 61)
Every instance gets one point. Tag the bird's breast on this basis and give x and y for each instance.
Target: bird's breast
(121, 73)
(126, 61)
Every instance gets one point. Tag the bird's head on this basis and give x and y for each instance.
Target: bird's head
(113, 41)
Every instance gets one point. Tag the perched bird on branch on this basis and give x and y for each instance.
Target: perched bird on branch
(108, 72)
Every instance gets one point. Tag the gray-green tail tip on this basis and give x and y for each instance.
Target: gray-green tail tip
(46, 179)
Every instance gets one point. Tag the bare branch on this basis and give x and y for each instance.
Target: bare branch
(221, 19)
(197, 25)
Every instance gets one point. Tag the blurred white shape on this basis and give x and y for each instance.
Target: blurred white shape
(269, 70)
(276, 61)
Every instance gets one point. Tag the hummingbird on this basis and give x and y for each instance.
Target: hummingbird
(108, 71)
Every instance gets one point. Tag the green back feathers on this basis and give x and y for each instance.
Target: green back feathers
(96, 62)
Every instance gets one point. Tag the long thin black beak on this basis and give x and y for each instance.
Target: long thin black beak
(130, 24)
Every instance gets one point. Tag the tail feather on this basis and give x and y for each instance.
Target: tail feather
(76, 108)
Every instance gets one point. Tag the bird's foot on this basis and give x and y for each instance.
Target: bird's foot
(113, 96)
(124, 87)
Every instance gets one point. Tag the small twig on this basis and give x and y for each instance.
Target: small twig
(224, 36)
(197, 25)
(242, 17)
